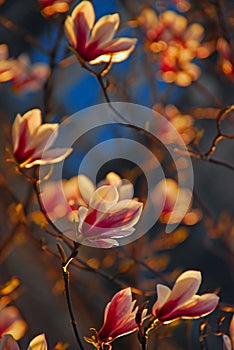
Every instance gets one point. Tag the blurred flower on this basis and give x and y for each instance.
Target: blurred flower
(29, 78)
(51, 7)
(119, 318)
(107, 218)
(59, 198)
(182, 301)
(94, 43)
(183, 123)
(7, 65)
(176, 206)
(11, 322)
(226, 58)
(32, 141)
(228, 342)
(38, 343)
(177, 43)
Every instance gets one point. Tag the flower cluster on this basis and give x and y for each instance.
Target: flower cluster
(177, 43)
(94, 43)
(183, 123)
(22, 75)
(181, 302)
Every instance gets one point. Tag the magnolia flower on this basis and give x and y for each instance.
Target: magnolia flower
(176, 203)
(94, 43)
(32, 141)
(119, 318)
(9, 343)
(107, 218)
(182, 301)
(11, 322)
(60, 197)
(7, 65)
(228, 342)
(51, 7)
(29, 77)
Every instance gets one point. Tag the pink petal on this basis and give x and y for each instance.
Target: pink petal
(117, 51)
(200, 306)
(116, 312)
(70, 31)
(104, 198)
(102, 243)
(43, 138)
(83, 16)
(8, 343)
(104, 30)
(11, 322)
(24, 127)
(185, 287)
(163, 293)
(38, 343)
(49, 157)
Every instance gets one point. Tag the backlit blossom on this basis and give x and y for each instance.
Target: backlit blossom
(51, 7)
(107, 218)
(176, 43)
(7, 65)
(32, 141)
(94, 43)
(59, 198)
(38, 343)
(11, 322)
(29, 78)
(182, 301)
(119, 318)
(176, 203)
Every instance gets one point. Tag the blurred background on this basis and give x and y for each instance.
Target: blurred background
(185, 73)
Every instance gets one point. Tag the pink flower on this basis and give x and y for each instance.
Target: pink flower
(7, 65)
(51, 7)
(11, 322)
(119, 317)
(38, 343)
(60, 198)
(182, 301)
(29, 77)
(32, 140)
(107, 218)
(95, 43)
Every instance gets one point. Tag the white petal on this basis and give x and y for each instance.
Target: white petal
(104, 30)
(104, 198)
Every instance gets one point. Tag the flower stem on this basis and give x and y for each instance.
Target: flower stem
(68, 294)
